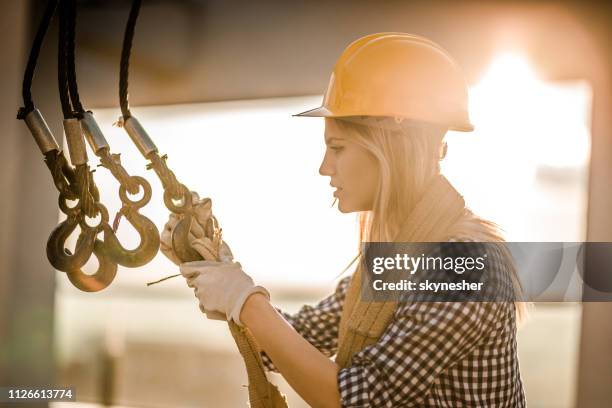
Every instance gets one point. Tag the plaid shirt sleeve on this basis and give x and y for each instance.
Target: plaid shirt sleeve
(317, 324)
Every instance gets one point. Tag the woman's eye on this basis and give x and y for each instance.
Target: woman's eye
(336, 148)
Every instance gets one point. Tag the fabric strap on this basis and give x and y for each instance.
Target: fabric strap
(432, 220)
(262, 393)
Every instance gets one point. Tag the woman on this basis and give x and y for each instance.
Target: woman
(389, 103)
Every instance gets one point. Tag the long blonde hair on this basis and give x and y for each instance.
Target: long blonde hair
(408, 158)
(407, 161)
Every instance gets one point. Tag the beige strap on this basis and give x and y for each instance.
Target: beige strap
(262, 393)
(362, 323)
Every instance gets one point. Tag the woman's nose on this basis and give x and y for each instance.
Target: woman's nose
(325, 169)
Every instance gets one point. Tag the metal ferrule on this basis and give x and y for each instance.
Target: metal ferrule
(139, 136)
(93, 134)
(41, 132)
(76, 144)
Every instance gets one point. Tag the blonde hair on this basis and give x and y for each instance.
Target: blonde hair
(408, 159)
(406, 165)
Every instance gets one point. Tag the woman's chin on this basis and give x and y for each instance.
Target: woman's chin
(347, 206)
(344, 208)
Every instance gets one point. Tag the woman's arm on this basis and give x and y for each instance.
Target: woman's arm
(311, 374)
(318, 324)
(224, 288)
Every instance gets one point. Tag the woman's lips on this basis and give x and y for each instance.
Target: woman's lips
(338, 190)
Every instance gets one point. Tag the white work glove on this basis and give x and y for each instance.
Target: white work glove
(198, 238)
(221, 287)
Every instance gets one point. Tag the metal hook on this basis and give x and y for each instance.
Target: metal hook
(107, 270)
(185, 204)
(59, 256)
(149, 235)
(180, 240)
(180, 233)
(180, 236)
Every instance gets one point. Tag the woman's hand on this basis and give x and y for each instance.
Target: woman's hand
(221, 287)
(199, 238)
(165, 244)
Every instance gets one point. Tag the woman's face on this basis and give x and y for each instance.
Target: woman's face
(352, 169)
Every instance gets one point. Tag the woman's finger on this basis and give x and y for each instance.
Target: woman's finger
(189, 272)
(165, 247)
(173, 219)
(196, 231)
(225, 253)
(205, 249)
(166, 235)
(169, 252)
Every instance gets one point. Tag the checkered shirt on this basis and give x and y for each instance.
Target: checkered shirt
(432, 354)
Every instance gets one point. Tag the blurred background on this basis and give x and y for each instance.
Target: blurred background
(215, 84)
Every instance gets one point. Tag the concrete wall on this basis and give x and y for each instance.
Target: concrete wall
(27, 215)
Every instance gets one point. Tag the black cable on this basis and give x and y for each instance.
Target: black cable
(28, 103)
(125, 58)
(71, 18)
(105, 156)
(167, 177)
(87, 191)
(63, 175)
(62, 71)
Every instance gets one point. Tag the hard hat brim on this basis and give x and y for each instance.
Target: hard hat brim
(323, 112)
(320, 112)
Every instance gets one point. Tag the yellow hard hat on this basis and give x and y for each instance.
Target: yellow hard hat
(400, 76)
